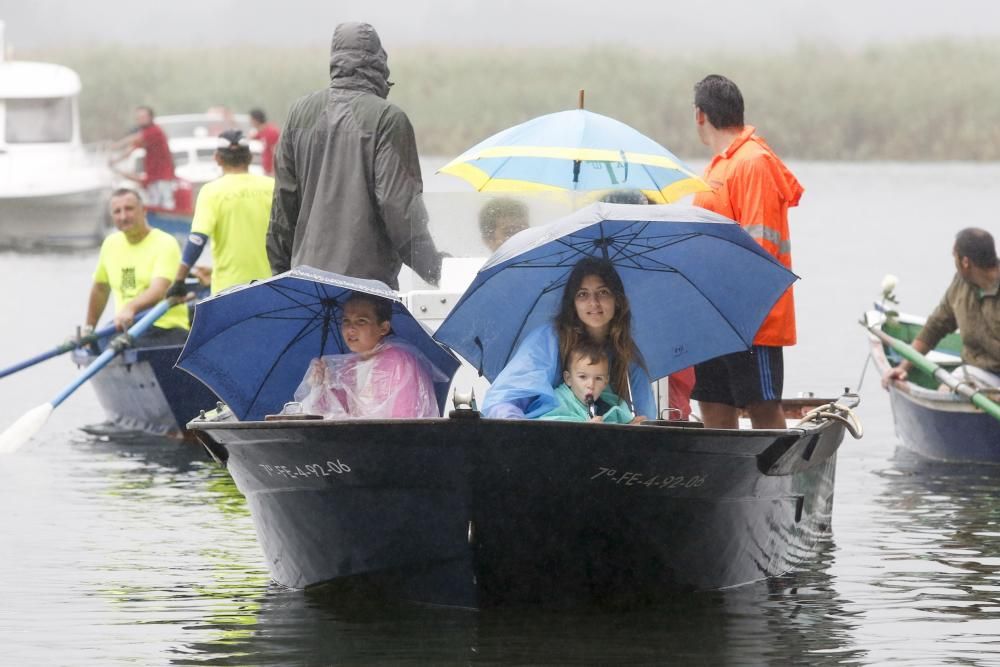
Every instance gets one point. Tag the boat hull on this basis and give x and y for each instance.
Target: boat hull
(935, 425)
(944, 428)
(60, 220)
(142, 391)
(479, 513)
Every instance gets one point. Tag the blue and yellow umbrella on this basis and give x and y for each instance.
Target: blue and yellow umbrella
(575, 150)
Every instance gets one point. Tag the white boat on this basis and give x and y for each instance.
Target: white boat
(53, 189)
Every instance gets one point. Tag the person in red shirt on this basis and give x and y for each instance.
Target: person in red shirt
(268, 134)
(157, 177)
(752, 186)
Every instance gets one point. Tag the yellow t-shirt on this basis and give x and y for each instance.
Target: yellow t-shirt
(130, 268)
(234, 212)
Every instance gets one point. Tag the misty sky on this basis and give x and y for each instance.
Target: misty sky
(660, 24)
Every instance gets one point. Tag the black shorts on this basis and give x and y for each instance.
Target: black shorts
(741, 378)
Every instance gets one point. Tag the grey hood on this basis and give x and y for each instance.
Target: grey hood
(358, 61)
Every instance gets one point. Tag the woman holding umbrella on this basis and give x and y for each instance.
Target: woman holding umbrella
(593, 307)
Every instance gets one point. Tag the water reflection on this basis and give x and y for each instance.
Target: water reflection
(934, 583)
(779, 621)
(151, 452)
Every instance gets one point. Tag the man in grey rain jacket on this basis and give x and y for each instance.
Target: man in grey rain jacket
(348, 191)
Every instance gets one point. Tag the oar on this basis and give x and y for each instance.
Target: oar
(32, 421)
(61, 349)
(65, 347)
(941, 375)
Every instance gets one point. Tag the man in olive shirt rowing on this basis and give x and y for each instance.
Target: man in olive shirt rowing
(972, 305)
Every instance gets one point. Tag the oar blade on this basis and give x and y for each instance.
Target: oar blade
(25, 428)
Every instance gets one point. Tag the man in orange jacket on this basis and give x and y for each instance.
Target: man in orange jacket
(752, 186)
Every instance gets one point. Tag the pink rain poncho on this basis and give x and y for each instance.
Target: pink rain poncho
(393, 381)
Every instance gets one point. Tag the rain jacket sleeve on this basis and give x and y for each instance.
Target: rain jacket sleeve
(398, 189)
(284, 206)
(642, 392)
(570, 409)
(525, 387)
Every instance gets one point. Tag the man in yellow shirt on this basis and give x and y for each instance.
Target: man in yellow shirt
(136, 264)
(233, 211)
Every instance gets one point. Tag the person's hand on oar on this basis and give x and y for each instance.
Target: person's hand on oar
(894, 374)
(914, 354)
(32, 421)
(81, 333)
(178, 290)
(900, 371)
(78, 339)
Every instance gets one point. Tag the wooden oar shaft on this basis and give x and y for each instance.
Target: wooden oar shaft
(920, 361)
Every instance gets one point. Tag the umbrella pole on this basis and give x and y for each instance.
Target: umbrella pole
(576, 163)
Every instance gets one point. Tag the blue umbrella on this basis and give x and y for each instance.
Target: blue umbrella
(251, 345)
(699, 286)
(575, 150)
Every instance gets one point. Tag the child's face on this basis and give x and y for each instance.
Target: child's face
(586, 378)
(504, 229)
(360, 327)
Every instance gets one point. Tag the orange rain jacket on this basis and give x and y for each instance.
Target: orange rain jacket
(752, 186)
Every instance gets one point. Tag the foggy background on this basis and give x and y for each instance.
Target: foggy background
(851, 80)
(644, 24)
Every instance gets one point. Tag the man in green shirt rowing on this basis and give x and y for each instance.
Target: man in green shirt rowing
(972, 305)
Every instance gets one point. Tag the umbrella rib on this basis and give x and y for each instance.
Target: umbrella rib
(493, 174)
(289, 292)
(716, 309)
(674, 241)
(303, 333)
(645, 168)
(514, 265)
(310, 326)
(269, 315)
(551, 286)
(263, 316)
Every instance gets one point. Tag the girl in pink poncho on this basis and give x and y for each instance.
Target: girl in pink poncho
(383, 377)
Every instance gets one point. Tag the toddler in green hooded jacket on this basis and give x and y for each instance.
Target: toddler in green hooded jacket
(585, 394)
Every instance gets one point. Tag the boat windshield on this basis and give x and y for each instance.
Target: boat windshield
(39, 121)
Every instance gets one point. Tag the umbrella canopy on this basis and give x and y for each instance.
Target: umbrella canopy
(698, 285)
(575, 150)
(252, 344)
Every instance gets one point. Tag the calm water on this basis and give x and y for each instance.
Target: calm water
(143, 552)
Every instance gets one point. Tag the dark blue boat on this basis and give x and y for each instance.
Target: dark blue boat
(479, 513)
(936, 425)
